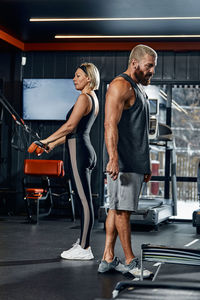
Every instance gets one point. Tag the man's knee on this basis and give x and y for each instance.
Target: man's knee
(123, 213)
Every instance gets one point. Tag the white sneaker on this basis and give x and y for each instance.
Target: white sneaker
(78, 253)
(72, 248)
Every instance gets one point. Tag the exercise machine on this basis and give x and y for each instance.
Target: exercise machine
(145, 290)
(41, 192)
(152, 210)
(196, 213)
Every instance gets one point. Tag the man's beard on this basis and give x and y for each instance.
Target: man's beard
(141, 78)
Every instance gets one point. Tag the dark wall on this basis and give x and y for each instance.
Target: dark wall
(8, 61)
(10, 68)
(172, 67)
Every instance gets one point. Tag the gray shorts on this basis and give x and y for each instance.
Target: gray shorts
(124, 192)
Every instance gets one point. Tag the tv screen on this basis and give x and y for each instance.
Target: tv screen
(48, 99)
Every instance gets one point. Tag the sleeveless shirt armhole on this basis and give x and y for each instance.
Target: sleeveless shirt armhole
(130, 80)
(93, 104)
(134, 87)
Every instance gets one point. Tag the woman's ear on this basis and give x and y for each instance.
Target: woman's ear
(89, 81)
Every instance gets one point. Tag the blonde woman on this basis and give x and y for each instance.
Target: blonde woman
(81, 157)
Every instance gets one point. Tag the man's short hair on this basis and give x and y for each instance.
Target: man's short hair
(139, 51)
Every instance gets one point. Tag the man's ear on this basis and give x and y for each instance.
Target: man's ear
(134, 63)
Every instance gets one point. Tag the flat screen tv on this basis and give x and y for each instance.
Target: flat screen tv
(48, 99)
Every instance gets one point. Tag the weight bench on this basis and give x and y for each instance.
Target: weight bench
(44, 169)
(163, 254)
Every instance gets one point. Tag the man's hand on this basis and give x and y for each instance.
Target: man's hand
(147, 177)
(113, 169)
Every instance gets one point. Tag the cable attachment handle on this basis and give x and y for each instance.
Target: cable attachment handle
(38, 148)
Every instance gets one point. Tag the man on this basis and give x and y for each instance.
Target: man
(127, 158)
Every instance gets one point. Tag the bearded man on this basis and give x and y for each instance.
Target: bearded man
(127, 154)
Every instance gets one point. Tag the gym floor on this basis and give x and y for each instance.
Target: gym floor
(30, 266)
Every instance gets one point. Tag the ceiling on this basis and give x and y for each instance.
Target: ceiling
(15, 15)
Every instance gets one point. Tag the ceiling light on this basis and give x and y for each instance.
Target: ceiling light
(125, 36)
(109, 19)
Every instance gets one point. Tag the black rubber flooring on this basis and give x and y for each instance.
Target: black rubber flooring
(31, 268)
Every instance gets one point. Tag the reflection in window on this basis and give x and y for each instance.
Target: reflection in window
(185, 122)
(186, 131)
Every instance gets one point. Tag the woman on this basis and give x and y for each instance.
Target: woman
(80, 153)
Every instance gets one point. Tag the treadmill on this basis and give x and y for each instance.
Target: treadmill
(152, 210)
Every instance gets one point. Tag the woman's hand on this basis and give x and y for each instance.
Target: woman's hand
(44, 142)
(47, 147)
(38, 147)
(50, 147)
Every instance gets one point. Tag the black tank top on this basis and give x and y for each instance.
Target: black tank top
(133, 132)
(84, 126)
